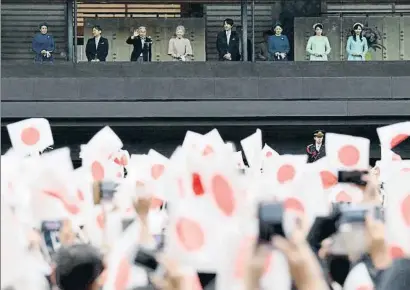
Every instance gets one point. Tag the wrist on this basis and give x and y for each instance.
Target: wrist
(380, 257)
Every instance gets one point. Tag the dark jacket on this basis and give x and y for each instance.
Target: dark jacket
(313, 154)
(223, 47)
(145, 50)
(43, 42)
(100, 52)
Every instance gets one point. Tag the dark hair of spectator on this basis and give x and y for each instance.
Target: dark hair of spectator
(98, 27)
(228, 21)
(354, 33)
(77, 267)
(43, 24)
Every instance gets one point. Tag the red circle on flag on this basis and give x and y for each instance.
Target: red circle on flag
(157, 170)
(396, 252)
(97, 171)
(328, 179)
(292, 203)
(223, 194)
(343, 197)
(286, 173)
(364, 287)
(208, 150)
(396, 140)
(190, 234)
(197, 185)
(405, 210)
(80, 195)
(156, 202)
(349, 155)
(30, 136)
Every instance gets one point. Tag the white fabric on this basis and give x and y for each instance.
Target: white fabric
(97, 40)
(228, 36)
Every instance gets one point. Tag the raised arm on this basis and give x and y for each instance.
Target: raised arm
(130, 40)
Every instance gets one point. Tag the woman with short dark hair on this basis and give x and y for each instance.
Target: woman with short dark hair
(43, 45)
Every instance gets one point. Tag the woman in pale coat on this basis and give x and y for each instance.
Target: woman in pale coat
(179, 47)
(318, 46)
(357, 46)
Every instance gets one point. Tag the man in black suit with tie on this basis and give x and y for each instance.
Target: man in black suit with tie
(97, 47)
(142, 51)
(227, 43)
(317, 150)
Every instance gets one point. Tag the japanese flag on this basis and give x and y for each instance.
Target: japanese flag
(252, 146)
(358, 279)
(347, 152)
(30, 136)
(392, 135)
(398, 214)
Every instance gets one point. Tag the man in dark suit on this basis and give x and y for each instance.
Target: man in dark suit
(227, 43)
(317, 150)
(249, 44)
(97, 47)
(142, 51)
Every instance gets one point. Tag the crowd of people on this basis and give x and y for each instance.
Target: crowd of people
(275, 46)
(209, 217)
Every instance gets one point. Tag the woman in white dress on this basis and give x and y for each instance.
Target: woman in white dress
(318, 46)
(179, 48)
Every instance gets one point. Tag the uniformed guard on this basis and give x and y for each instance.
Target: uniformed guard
(316, 150)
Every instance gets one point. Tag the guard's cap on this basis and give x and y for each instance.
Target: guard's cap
(319, 133)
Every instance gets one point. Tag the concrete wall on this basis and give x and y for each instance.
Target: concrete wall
(203, 90)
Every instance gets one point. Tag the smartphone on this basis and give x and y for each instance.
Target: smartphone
(357, 214)
(270, 217)
(103, 191)
(146, 259)
(50, 231)
(354, 177)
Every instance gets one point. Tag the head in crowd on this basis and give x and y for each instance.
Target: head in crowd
(266, 35)
(142, 31)
(277, 28)
(97, 31)
(318, 28)
(318, 136)
(228, 23)
(180, 31)
(357, 31)
(78, 267)
(43, 28)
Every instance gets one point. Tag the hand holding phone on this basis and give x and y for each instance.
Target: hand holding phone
(270, 217)
(103, 191)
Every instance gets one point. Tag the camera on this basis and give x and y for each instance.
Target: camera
(104, 191)
(354, 177)
(270, 217)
